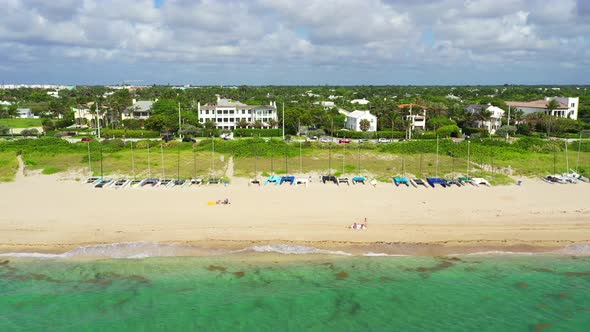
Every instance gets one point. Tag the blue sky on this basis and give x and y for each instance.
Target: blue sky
(308, 42)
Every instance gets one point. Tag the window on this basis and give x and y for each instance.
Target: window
(219, 120)
(243, 111)
(573, 105)
(231, 119)
(218, 111)
(224, 111)
(231, 112)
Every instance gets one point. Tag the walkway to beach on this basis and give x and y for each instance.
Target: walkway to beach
(20, 174)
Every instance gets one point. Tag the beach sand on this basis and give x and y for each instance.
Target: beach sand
(55, 213)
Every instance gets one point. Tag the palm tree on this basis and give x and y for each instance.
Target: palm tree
(257, 124)
(365, 125)
(242, 123)
(273, 123)
(552, 105)
(481, 116)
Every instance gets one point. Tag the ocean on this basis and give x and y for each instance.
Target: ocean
(290, 288)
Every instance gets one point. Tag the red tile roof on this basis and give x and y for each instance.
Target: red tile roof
(532, 104)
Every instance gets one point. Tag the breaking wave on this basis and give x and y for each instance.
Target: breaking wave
(382, 254)
(577, 249)
(288, 249)
(112, 250)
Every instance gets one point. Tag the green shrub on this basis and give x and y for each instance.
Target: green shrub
(253, 132)
(448, 131)
(128, 133)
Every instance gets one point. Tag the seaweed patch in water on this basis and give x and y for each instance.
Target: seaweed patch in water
(522, 285)
(440, 266)
(4, 262)
(541, 326)
(542, 269)
(342, 275)
(215, 268)
(240, 274)
(139, 278)
(40, 276)
(560, 295)
(585, 273)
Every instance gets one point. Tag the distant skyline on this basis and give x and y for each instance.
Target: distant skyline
(295, 42)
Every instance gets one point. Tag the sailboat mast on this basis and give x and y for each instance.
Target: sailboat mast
(132, 161)
(579, 148)
(343, 154)
(162, 156)
(89, 159)
(567, 159)
(101, 170)
(436, 155)
(149, 162)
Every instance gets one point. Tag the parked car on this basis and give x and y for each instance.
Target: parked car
(86, 139)
(325, 140)
(345, 141)
(363, 140)
(312, 139)
(384, 140)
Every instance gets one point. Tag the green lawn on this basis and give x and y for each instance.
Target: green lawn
(21, 123)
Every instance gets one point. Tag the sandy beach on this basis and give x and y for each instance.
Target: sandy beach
(56, 213)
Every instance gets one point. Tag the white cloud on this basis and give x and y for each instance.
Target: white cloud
(348, 34)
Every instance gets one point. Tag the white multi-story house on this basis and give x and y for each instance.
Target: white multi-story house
(495, 120)
(25, 113)
(139, 110)
(416, 115)
(227, 113)
(353, 120)
(325, 104)
(359, 101)
(568, 106)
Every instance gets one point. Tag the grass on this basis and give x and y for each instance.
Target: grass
(491, 160)
(8, 166)
(119, 163)
(21, 123)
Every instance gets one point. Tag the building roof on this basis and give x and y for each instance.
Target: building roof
(359, 101)
(141, 106)
(360, 114)
(476, 107)
(533, 104)
(411, 105)
(23, 110)
(228, 102)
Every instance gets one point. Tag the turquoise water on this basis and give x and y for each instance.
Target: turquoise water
(265, 292)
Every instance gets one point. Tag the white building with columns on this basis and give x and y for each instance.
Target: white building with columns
(226, 113)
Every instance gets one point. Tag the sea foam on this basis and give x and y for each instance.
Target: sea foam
(128, 250)
(577, 249)
(288, 249)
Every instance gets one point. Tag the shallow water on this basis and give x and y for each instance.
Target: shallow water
(264, 292)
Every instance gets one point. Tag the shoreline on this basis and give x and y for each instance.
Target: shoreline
(287, 248)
